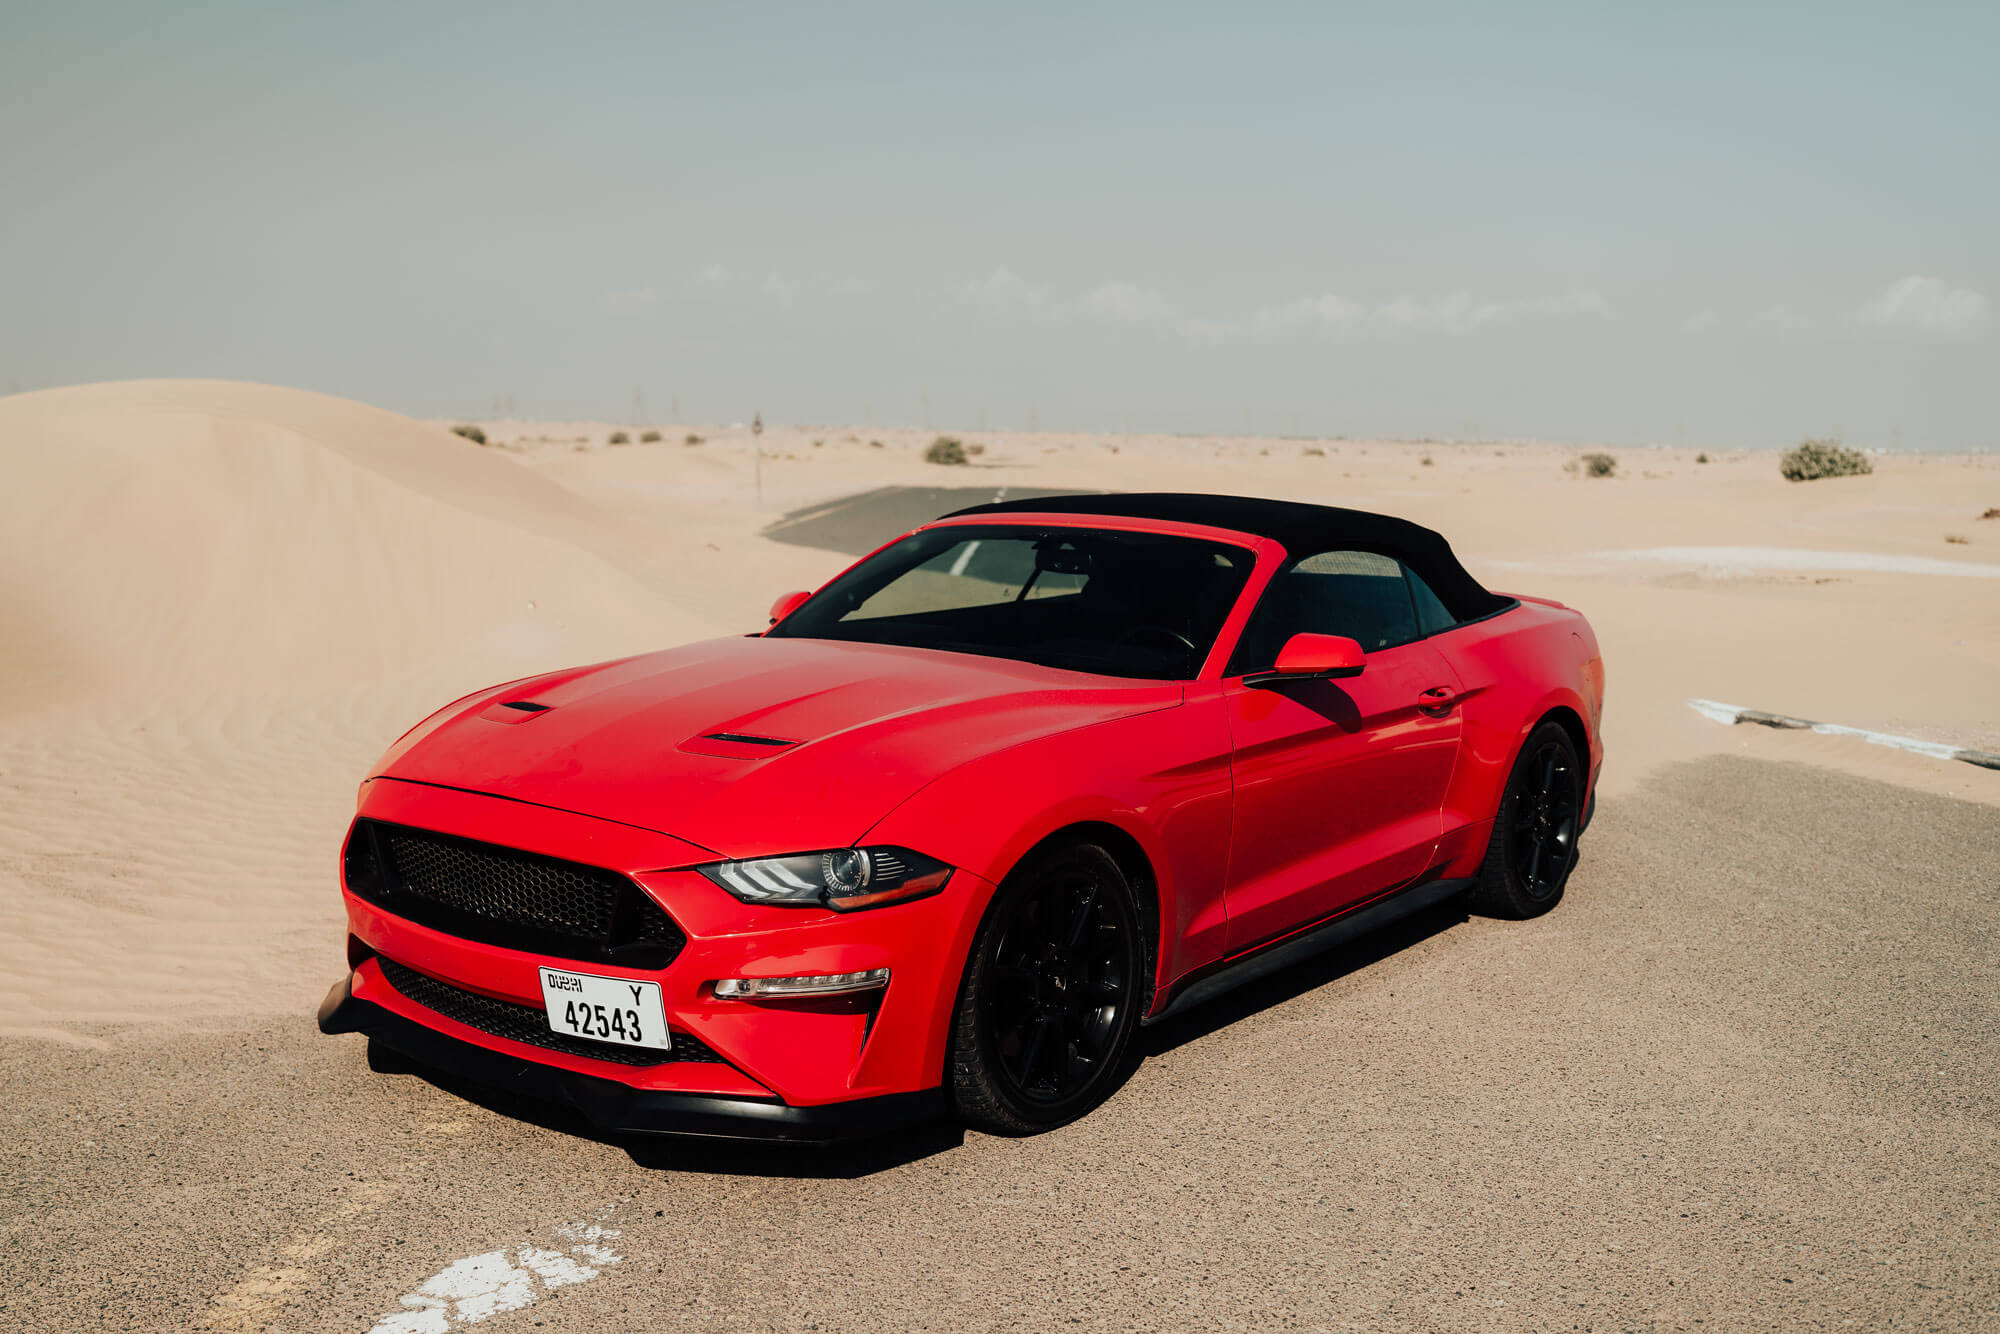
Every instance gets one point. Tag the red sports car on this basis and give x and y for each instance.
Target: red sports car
(956, 824)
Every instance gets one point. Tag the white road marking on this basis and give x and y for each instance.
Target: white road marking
(1736, 562)
(1789, 558)
(480, 1287)
(1728, 714)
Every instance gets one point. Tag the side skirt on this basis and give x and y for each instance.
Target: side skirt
(1333, 932)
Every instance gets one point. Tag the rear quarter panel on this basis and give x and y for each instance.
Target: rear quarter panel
(1515, 668)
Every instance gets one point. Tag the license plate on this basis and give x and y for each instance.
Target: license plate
(605, 1009)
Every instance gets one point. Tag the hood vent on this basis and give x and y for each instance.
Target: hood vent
(514, 711)
(736, 745)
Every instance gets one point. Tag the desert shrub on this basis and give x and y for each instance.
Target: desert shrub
(1701, 458)
(1957, 540)
(946, 450)
(1314, 452)
(692, 439)
(1814, 459)
(619, 438)
(1596, 465)
(876, 444)
(472, 433)
(1428, 461)
(1993, 513)
(650, 438)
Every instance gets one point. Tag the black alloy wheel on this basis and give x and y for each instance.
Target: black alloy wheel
(1052, 992)
(1534, 844)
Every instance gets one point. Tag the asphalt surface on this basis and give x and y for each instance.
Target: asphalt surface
(855, 525)
(1744, 1077)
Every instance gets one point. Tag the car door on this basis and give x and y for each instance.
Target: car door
(1339, 785)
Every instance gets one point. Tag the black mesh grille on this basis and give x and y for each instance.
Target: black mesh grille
(527, 1023)
(502, 896)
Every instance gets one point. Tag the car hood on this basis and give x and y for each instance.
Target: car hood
(752, 746)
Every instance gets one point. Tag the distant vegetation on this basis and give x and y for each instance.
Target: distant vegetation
(1815, 459)
(1701, 458)
(1993, 513)
(1957, 540)
(692, 439)
(946, 450)
(472, 433)
(1427, 461)
(1314, 452)
(619, 438)
(1594, 465)
(650, 438)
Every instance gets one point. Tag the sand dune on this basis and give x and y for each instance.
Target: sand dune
(221, 601)
(165, 539)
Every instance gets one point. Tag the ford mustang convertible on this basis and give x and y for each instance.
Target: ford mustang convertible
(948, 831)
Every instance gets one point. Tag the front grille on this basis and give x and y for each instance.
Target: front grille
(506, 897)
(529, 1024)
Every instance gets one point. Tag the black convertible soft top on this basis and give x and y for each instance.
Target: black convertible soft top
(1300, 528)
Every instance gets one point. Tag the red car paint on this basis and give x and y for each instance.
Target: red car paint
(1253, 813)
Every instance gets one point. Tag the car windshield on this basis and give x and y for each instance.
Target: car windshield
(1090, 600)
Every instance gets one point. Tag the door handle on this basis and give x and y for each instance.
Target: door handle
(1437, 699)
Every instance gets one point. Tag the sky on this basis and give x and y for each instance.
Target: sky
(1734, 224)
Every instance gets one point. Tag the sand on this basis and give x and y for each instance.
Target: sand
(221, 601)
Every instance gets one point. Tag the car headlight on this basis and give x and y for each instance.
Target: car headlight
(844, 879)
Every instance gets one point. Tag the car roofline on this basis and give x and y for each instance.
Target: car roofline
(1111, 522)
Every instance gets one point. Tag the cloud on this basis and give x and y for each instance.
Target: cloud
(1005, 290)
(1129, 304)
(1459, 312)
(1123, 303)
(1325, 311)
(1924, 304)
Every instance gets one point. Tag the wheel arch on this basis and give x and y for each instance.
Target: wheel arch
(1136, 866)
(1572, 723)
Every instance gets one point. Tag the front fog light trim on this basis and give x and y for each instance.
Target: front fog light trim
(813, 984)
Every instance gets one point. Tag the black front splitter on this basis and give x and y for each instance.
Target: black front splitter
(613, 1108)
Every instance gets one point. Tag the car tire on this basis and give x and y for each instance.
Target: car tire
(1052, 992)
(1533, 847)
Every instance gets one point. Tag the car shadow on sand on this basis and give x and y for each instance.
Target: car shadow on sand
(849, 1161)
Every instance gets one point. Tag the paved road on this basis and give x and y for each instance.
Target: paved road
(855, 525)
(1744, 1078)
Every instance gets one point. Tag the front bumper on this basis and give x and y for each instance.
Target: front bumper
(786, 1060)
(611, 1107)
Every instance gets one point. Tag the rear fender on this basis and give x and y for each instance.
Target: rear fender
(1517, 669)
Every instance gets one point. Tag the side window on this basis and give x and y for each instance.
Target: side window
(1432, 615)
(1359, 594)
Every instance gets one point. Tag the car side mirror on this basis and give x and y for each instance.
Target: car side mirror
(1312, 658)
(787, 604)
